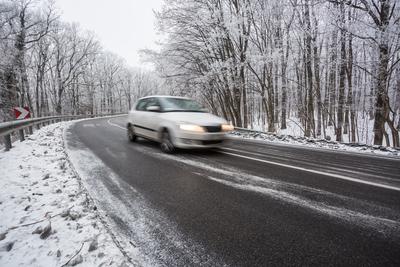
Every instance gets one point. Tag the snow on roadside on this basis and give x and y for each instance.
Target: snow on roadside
(47, 219)
(316, 143)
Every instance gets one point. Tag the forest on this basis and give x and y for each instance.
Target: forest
(315, 68)
(318, 68)
(54, 67)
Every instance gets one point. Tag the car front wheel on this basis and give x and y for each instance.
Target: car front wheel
(166, 143)
(131, 134)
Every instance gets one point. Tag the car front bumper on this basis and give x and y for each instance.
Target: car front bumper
(199, 140)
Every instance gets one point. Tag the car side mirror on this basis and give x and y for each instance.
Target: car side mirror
(153, 108)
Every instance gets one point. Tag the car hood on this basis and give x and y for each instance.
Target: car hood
(198, 118)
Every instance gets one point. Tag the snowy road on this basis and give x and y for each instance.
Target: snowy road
(249, 204)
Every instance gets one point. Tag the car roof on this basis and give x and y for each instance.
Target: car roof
(163, 96)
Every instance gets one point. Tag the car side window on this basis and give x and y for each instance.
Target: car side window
(142, 105)
(152, 102)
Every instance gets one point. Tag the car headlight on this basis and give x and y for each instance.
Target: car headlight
(192, 128)
(227, 127)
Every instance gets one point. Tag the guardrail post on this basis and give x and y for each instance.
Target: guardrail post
(30, 130)
(21, 135)
(7, 142)
(38, 126)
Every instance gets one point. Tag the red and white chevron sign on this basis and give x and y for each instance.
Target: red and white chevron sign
(22, 113)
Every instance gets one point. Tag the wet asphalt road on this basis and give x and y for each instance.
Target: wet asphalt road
(255, 204)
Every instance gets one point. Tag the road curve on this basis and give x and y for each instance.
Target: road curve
(248, 204)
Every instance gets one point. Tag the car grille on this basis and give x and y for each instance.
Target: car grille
(213, 129)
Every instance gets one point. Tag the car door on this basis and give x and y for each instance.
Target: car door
(138, 119)
(151, 119)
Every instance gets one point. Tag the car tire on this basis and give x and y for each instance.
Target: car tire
(131, 134)
(166, 144)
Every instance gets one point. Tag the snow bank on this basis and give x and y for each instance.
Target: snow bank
(47, 219)
(364, 130)
(316, 143)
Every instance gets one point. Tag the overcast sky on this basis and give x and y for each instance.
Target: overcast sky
(123, 26)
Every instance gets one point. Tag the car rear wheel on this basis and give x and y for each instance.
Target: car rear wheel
(166, 143)
(131, 134)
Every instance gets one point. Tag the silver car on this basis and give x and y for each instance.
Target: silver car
(176, 122)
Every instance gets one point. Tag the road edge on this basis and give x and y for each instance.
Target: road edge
(89, 198)
(309, 147)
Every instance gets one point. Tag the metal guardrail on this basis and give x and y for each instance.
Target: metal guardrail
(7, 128)
(313, 140)
(250, 130)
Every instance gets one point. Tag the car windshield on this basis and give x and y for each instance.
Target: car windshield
(180, 104)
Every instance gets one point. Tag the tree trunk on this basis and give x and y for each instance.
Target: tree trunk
(308, 62)
(8, 95)
(317, 89)
(350, 98)
(381, 104)
(332, 79)
(342, 76)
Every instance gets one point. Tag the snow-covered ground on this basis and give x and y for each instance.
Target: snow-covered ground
(364, 130)
(47, 217)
